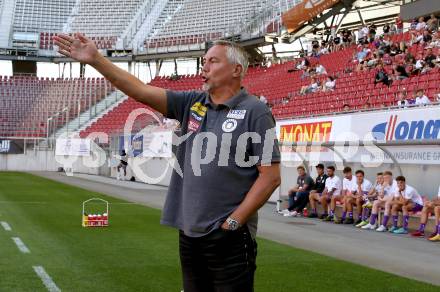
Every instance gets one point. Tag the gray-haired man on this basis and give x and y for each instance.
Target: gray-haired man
(229, 159)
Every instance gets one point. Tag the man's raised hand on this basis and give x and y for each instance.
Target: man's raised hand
(78, 47)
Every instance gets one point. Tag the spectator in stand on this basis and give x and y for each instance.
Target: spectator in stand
(395, 50)
(320, 70)
(412, 100)
(362, 54)
(373, 59)
(303, 65)
(421, 24)
(346, 107)
(330, 84)
(436, 40)
(421, 37)
(409, 58)
(386, 29)
(363, 34)
(309, 72)
(372, 32)
(413, 24)
(402, 102)
(406, 199)
(399, 25)
(426, 37)
(324, 49)
(312, 87)
(299, 195)
(428, 208)
(432, 24)
(400, 72)
(336, 43)
(381, 76)
(346, 38)
(418, 66)
(317, 190)
(315, 49)
(393, 29)
(430, 57)
(421, 98)
(386, 59)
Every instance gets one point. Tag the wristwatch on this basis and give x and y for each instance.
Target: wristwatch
(232, 224)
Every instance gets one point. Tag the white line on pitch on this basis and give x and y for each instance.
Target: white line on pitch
(22, 202)
(47, 280)
(23, 248)
(6, 226)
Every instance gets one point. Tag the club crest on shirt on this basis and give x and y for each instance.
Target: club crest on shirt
(193, 125)
(199, 109)
(229, 125)
(236, 114)
(197, 113)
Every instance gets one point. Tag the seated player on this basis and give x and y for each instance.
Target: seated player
(318, 188)
(371, 198)
(347, 183)
(406, 199)
(333, 187)
(356, 196)
(436, 237)
(386, 194)
(428, 208)
(300, 192)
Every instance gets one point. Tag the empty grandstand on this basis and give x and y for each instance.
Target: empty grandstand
(33, 107)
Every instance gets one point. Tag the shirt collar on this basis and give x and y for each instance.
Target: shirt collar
(231, 102)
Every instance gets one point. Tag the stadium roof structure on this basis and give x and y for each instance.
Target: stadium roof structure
(316, 15)
(141, 30)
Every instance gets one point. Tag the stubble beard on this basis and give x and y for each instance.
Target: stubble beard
(206, 87)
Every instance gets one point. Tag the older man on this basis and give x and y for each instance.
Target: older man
(299, 194)
(215, 203)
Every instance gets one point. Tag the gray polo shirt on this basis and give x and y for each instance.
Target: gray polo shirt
(218, 159)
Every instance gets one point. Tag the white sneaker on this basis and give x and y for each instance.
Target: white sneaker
(291, 214)
(381, 229)
(370, 226)
(285, 211)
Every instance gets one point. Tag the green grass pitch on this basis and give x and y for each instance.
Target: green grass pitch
(136, 253)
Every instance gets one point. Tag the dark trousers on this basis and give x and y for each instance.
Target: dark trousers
(222, 261)
(302, 199)
(292, 198)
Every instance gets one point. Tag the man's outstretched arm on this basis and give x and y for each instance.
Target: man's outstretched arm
(84, 50)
